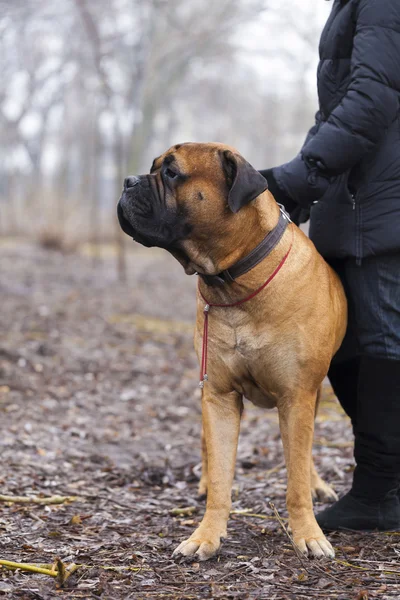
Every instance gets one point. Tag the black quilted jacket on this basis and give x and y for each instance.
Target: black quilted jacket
(350, 160)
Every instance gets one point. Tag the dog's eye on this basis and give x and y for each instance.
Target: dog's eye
(170, 173)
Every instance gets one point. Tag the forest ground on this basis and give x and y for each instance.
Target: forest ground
(99, 401)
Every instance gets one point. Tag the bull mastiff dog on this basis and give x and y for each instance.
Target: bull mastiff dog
(270, 316)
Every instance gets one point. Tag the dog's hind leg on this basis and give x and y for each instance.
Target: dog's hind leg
(320, 490)
(202, 489)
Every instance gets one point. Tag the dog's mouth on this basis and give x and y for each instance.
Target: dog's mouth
(129, 229)
(151, 222)
(123, 221)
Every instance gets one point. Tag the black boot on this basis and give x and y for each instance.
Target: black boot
(373, 502)
(343, 377)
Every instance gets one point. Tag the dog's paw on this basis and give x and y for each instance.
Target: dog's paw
(317, 546)
(202, 544)
(323, 492)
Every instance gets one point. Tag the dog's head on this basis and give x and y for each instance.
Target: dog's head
(193, 199)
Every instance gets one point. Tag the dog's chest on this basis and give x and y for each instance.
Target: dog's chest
(257, 395)
(250, 357)
(255, 365)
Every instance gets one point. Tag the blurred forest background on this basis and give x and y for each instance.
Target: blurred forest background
(92, 90)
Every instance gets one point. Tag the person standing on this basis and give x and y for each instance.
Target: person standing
(347, 176)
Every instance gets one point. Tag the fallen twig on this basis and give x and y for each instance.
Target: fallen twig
(29, 567)
(64, 571)
(178, 512)
(61, 572)
(38, 499)
(58, 569)
(328, 444)
(54, 569)
(122, 568)
(295, 548)
(278, 467)
(366, 569)
(245, 513)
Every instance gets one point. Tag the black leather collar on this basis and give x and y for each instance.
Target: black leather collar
(255, 257)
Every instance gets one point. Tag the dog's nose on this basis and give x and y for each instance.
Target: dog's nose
(130, 181)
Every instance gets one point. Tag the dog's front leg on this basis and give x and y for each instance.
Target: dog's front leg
(296, 418)
(221, 421)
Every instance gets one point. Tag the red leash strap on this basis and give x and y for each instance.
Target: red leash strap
(203, 368)
(209, 305)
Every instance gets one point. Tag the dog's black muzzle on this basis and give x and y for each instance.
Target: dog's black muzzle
(130, 182)
(124, 223)
(144, 215)
(134, 208)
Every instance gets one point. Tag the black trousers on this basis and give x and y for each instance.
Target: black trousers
(373, 294)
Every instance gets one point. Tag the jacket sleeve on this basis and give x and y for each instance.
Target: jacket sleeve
(362, 117)
(371, 102)
(314, 128)
(300, 180)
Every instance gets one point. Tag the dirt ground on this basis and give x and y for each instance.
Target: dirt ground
(99, 400)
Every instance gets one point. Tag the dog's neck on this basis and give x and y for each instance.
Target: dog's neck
(261, 218)
(257, 220)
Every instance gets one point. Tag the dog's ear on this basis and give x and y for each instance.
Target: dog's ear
(244, 182)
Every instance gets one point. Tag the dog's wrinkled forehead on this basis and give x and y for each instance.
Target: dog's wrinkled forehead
(164, 159)
(192, 157)
(168, 158)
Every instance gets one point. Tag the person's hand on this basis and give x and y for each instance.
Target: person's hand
(305, 181)
(297, 213)
(278, 193)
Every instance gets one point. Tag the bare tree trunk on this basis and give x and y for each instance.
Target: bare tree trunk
(120, 173)
(94, 197)
(141, 136)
